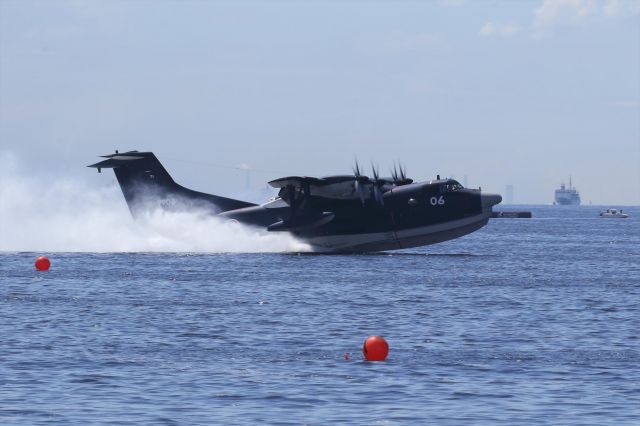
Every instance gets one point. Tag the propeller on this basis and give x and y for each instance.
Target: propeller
(356, 170)
(360, 182)
(399, 175)
(377, 185)
(288, 194)
(394, 173)
(295, 197)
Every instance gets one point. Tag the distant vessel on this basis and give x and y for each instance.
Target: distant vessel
(567, 196)
(614, 213)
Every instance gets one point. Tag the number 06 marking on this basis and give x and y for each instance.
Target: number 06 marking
(437, 201)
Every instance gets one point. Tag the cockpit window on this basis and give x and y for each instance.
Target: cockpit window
(450, 186)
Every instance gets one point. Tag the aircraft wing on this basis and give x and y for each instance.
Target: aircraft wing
(299, 181)
(296, 181)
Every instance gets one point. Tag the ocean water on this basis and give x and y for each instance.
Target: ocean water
(527, 321)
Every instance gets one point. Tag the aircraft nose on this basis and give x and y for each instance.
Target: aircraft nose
(490, 200)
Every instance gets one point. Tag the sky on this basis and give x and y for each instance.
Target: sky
(494, 93)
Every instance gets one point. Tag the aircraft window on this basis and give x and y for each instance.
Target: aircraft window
(450, 187)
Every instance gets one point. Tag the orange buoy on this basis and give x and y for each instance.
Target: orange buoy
(42, 263)
(375, 348)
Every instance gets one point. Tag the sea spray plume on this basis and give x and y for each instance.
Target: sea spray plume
(68, 215)
(200, 232)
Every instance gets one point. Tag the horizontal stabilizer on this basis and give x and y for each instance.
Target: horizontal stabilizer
(116, 160)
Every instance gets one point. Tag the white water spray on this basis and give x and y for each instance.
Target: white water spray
(69, 216)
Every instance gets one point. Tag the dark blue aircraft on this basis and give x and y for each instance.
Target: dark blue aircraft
(347, 213)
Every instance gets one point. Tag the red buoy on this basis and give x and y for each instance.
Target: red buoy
(42, 263)
(375, 348)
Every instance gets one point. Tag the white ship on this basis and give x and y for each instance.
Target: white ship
(567, 196)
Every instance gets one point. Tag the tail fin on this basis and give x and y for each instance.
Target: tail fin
(145, 182)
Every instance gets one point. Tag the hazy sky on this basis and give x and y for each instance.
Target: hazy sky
(505, 92)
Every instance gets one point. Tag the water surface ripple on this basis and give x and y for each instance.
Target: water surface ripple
(524, 322)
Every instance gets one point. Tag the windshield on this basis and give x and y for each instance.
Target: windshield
(451, 186)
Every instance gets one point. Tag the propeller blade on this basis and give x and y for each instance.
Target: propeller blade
(288, 194)
(399, 175)
(377, 194)
(356, 169)
(360, 189)
(403, 172)
(360, 182)
(377, 185)
(375, 172)
(394, 173)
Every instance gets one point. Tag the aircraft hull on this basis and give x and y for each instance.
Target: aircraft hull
(394, 240)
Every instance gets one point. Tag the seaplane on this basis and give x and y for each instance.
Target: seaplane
(351, 213)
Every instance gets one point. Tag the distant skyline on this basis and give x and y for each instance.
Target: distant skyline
(523, 93)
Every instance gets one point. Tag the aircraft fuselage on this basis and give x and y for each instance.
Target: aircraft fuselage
(346, 213)
(411, 215)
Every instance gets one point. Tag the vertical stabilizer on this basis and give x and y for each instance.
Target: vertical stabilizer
(146, 184)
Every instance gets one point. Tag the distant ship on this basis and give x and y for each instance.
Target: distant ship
(567, 196)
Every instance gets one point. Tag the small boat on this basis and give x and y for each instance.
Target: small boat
(614, 213)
